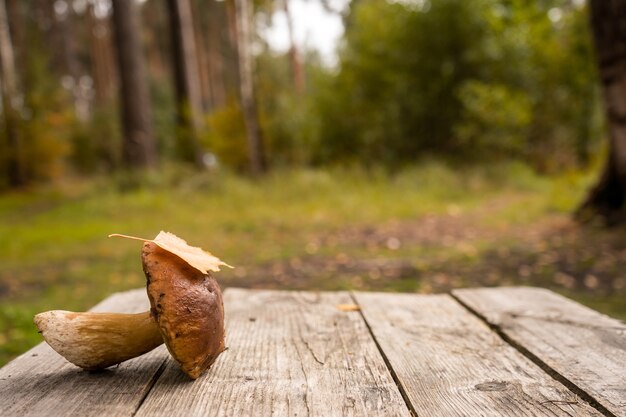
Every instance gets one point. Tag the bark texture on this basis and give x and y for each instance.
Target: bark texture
(608, 23)
(139, 148)
(10, 103)
(296, 65)
(186, 79)
(256, 153)
(101, 56)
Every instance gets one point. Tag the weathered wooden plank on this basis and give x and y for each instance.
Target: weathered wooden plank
(42, 383)
(449, 363)
(290, 353)
(583, 346)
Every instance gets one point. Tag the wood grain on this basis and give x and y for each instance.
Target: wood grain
(290, 353)
(450, 363)
(583, 346)
(42, 383)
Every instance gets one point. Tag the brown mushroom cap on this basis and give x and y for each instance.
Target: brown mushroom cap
(188, 307)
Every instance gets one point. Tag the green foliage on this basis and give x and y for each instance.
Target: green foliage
(46, 122)
(495, 118)
(226, 136)
(96, 144)
(472, 81)
(285, 114)
(554, 67)
(396, 93)
(164, 118)
(483, 79)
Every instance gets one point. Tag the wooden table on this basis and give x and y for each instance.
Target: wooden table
(476, 352)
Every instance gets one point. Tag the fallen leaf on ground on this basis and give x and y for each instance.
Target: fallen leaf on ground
(348, 307)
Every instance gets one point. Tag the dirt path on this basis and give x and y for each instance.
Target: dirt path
(438, 252)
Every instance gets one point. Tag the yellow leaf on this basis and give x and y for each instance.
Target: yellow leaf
(201, 260)
(348, 307)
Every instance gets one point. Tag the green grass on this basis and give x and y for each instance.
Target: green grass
(312, 229)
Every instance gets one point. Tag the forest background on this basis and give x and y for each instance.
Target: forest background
(445, 143)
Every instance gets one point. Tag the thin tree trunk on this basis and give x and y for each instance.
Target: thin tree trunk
(48, 23)
(65, 25)
(231, 14)
(15, 167)
(139, 148)
(103, 73)
(156, 39)
(296, 66)
(214, 54)
(186, 79)
(608, 196)
(16, 15)
(204, 71)
(256, 152)
(230, 63)
(101, 56)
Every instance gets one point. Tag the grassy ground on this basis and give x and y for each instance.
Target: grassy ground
(426, 229)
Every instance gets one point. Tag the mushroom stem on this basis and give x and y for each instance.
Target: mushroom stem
(98, 340)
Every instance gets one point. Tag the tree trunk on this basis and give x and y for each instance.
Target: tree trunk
(201, 52)
(606, 200)
(156, 39)
(65, 26)
(296, 66)
(138, 149)
(101, 56)
(15, 167)
(256, 152)
(186, 80)
(50, 31)
(215, 63)
(16, 15)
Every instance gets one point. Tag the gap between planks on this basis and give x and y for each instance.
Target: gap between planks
(392, 371)
(289, 351)
(42, 383)
(443, 364)
(575, 389)
(151, 385)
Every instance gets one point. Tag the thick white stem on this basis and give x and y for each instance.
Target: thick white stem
(98, 340)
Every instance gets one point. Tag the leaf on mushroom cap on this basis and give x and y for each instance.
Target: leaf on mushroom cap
(201, 260)
(194, 256)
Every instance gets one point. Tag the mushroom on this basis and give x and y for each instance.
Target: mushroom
(187, 305)
(186, 312)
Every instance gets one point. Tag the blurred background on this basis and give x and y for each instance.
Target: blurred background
(388, 145)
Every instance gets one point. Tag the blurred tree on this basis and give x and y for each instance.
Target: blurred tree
(217, 19)
(436, 77)
(15, 15)
(66, 20)
(101, 55)
(10, 103)
(256, 151)
(210, 22)
(43, 110)
(202, 49)
(401, 68)
(607, 198)
(138, 149)
(156, 38)
(543, 108)
(297, 72)
(187, 81)
(414, 78)
(97, 143)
